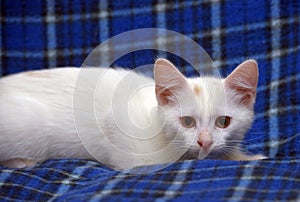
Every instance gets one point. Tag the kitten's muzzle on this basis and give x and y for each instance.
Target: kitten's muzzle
(205, 144)
(205, 140)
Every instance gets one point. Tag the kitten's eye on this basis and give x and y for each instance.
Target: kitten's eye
(223, 121)
(188, 121)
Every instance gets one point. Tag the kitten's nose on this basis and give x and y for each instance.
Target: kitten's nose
(205, 144)
(205, 140)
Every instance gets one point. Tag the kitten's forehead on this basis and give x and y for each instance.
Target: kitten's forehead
(209, 94)
(207, 87)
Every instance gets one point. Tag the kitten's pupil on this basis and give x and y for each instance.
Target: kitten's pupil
(188, 121)
(223, 121)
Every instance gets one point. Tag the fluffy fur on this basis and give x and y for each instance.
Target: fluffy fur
(126, 119)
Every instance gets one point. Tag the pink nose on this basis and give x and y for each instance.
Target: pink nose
(205, 144)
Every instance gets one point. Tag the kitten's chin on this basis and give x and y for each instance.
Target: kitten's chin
(192, 153)
(213, 154)
(198, 153)
(202, 154)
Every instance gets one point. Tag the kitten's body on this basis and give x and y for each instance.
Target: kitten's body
(135, 120)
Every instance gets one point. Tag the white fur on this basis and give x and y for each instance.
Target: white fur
(48, 114)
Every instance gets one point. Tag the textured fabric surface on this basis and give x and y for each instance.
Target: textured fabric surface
(75, 180)
(47, 34)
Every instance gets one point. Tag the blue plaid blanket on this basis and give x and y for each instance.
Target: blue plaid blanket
(46, 34)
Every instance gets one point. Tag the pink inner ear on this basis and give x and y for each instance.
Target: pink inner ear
(247, 99)
(164, 95)
(243, 96)
(169, 81)
(243, 80)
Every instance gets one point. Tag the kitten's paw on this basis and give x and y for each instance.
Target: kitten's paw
(253, 158)
(19, 163)
(257, 157)
(240, 156)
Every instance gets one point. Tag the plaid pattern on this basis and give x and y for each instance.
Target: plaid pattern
(46, 34)
(75, 180)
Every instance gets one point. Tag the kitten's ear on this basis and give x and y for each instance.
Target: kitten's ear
(169, 82)
(243, 80)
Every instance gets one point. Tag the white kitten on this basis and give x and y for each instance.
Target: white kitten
(127, 119)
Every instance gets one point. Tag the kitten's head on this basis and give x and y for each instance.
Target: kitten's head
(207, 116)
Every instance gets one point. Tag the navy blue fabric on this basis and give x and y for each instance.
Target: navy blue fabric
(47, 34)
